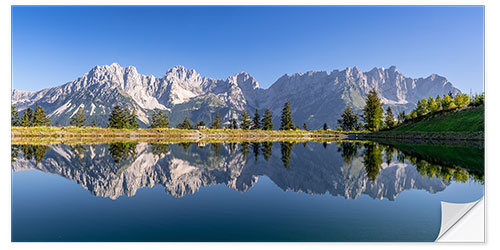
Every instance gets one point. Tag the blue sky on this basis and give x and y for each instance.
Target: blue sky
(54, 45)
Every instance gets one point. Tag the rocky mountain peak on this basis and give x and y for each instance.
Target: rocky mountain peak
(244, 81)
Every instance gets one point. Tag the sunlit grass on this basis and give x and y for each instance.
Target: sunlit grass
(90, 134)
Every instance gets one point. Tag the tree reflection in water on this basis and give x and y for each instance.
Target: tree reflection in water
(79, 151)
(348, 150)
(267, 150)
(244, 149)
(216, 148)
(256, 150)
(30, 152)
(372, 159)
(160, 150)
(122, 151)
(286, 152)
(186, 145)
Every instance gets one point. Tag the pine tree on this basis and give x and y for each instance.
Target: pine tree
(349, 120)
(439, 102)
(14, 116)
(477, 100)
(256, 120)
(267, 120)
(447, 102)
(461, 100)
(233, 123)
(132, 120)
(201, 124)
(245, 121)
(325, 126)
(159, 119)
(286, 118)
(27, 118)
(94, 124)
(118, 118)
(79, 119)
(186, 124)
(401, 117)
(217, 124)
(389, 118)
(372, 112)
(305, 126)
(422, 107)
(432, 105)
(39, 117)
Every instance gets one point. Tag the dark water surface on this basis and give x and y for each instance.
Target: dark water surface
(239, 192)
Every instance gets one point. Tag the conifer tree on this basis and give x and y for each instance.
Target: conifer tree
(27, 118)
(245, 120)
(39, 117)
(94, 124)
(132, 119)
(267, 120)
(432, 105)
(349, 120)
(286, 118)
(186, 124)
(217, 124)
(477, 100)
(372, 112)
(159, 119)
(461, 100)
(422, 107)
(401, 117)
(79, 119)
(305, 126)
(118, 118)
(325, 126)
(389, 118)
(233, 124)
(256, 120)
(439, 102)
(14, 116)
(447, 102)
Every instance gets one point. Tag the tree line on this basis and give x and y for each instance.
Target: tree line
(373, 118)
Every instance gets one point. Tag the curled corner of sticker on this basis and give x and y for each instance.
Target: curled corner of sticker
(452, 216)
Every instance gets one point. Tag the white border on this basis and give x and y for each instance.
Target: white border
(492, 69)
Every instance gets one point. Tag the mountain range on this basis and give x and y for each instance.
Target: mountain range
(316, 97)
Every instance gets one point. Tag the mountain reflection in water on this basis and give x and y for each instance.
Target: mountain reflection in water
(347, 169)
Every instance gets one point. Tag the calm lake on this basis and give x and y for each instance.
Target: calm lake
(271, 191)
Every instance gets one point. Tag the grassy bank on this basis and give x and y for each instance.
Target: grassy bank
(465, 124)
(469, 120)
(93, 134)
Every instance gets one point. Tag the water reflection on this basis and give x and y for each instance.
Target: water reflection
(347, 169)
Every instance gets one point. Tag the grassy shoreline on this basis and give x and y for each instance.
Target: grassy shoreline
(465, 124)
(93, 134)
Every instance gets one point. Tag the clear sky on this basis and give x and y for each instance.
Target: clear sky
(54, 45)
